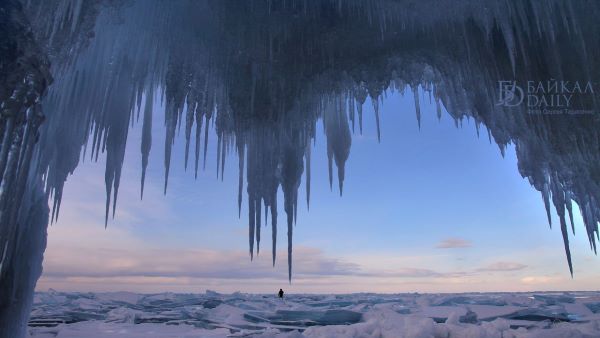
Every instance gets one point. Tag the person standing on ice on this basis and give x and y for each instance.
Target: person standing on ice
(280, 293)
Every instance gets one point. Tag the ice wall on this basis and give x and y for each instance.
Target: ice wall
(24, 76)
(264, 72)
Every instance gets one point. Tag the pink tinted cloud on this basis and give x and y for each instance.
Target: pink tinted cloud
(453, 243)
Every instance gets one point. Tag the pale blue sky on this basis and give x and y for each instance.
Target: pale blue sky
(403, 199)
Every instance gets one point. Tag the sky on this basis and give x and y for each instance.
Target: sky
(435, 209)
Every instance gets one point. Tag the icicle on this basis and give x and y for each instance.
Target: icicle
(558, 199)
(351, 111)
(330, 166)
(169, 138)
(341, 176)
(3, 256)
(569, 205)
(295, 210)
(360, 125)
(266, 213)
(95, 141)
(205, 141)
(415, 91)
(274, 226)
(546, 198)
(108, 179)
(223, 156)
(308, 150)
(290, 242)
(339, 141)
(138, 105)
(76, 13)
(241, 158)
(6, 144)
(146, 137)
(565, 235)
(116, 190)
(56, 205)
(219, 145)
(197, 150)
(251, 224)
(258, 223)
(189, 122)
(375, 102)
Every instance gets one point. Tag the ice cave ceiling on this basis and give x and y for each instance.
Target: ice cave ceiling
(265, 72)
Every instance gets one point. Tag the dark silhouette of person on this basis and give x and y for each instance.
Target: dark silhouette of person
(280, 293)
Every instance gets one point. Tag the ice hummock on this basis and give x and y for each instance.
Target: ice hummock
(310, 315)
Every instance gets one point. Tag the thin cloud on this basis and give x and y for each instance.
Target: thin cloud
(453, 243)
(421, 273)
(503, 266)
(66, 262)
(538, 280)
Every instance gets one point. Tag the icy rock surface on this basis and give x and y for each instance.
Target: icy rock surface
(110, 315)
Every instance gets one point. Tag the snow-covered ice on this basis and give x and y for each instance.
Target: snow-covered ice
(107, 315)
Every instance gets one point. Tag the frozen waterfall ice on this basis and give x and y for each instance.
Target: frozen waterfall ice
(263, 73)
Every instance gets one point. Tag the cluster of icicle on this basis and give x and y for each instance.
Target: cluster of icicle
(264, 72)
(25, 76)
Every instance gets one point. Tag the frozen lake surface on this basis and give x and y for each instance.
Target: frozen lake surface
(506, 315)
